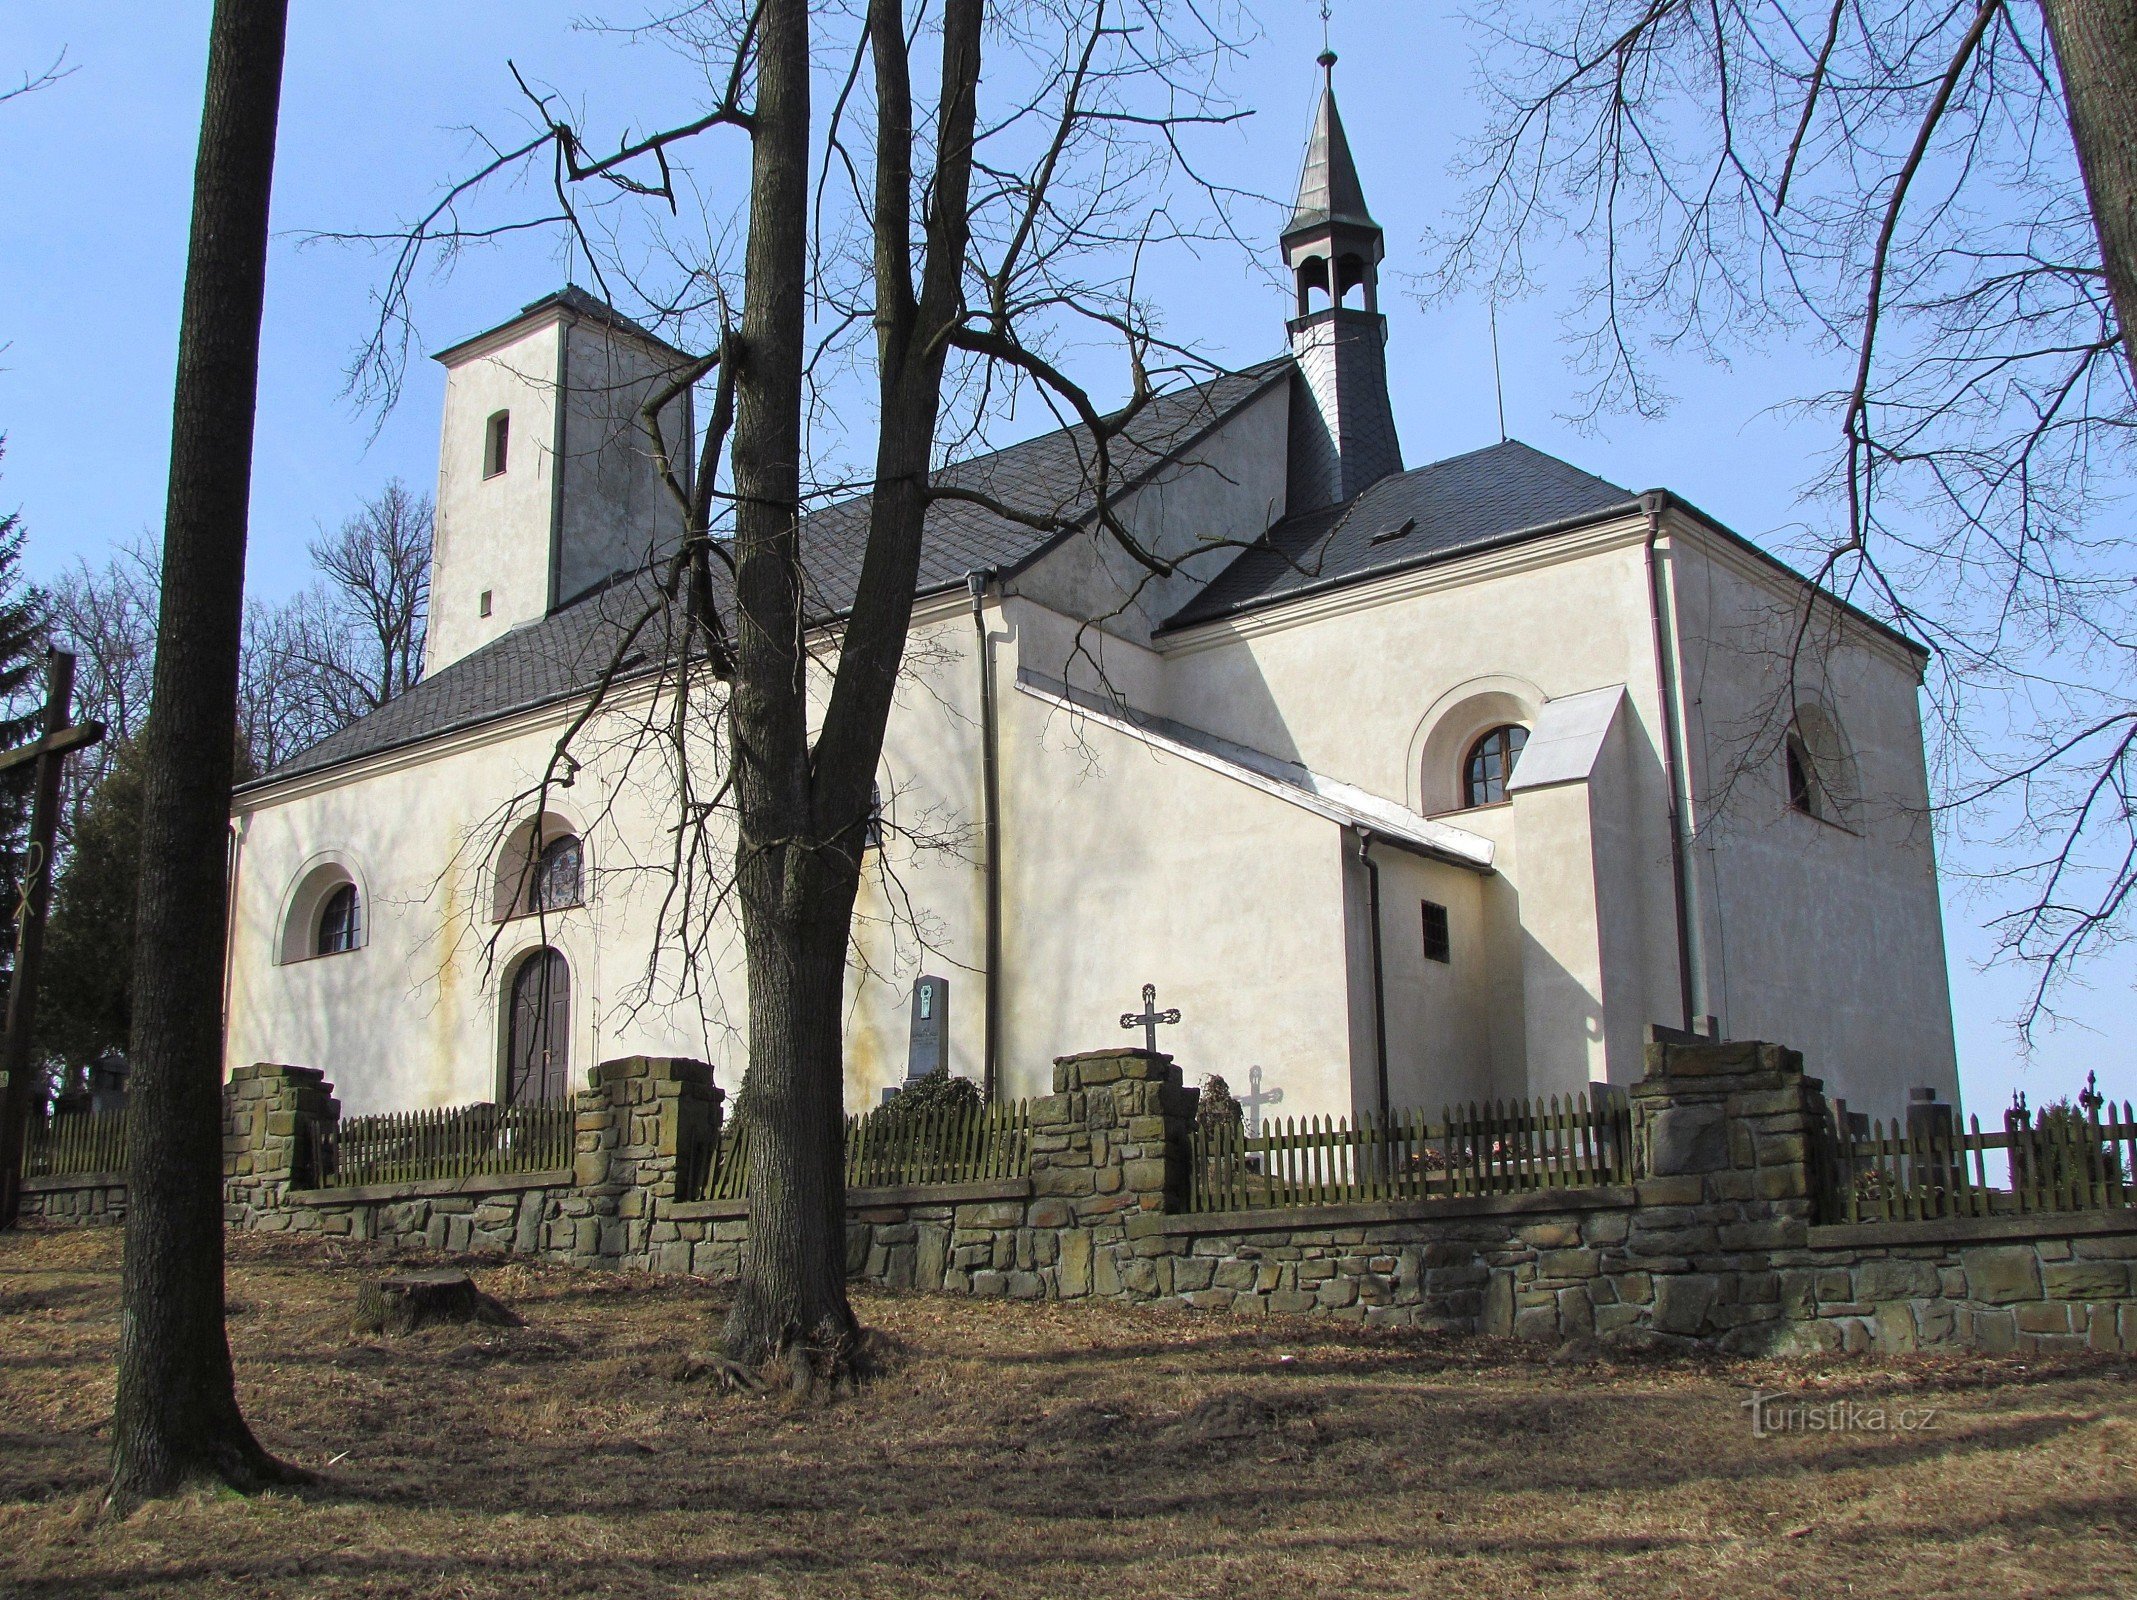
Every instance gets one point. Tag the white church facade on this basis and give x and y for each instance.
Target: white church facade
(1409, 787)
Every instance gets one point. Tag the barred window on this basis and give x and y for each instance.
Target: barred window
(1438, 945)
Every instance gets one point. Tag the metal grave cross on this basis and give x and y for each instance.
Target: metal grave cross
(1257, 1097)
(61, 734)
(1150, 1017)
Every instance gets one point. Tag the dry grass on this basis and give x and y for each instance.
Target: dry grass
(1031, 1450)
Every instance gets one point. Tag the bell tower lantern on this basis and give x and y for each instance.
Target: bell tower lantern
(1342, 426)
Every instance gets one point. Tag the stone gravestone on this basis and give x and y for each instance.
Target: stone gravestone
(928, 1048)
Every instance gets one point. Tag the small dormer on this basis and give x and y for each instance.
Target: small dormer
(546, 482)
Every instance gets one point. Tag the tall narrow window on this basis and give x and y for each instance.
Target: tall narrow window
(1491, 765)
(1803, 793)
(873, 839)
(1438, 946)
(341, 922)
(496, 444)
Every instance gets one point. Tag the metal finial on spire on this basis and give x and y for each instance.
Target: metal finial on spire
(1328, 55)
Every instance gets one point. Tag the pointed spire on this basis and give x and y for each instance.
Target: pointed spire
(1329, 191)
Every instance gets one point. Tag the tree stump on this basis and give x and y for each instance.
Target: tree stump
(408, 1300)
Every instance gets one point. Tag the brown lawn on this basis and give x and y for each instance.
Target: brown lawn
(1033, 1450)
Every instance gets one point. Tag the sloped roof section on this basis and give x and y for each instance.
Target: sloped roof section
(1329, 190)
(1408, 519)
(566, 652)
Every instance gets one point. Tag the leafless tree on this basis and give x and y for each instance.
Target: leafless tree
(34, 81)
(1944, 197)
(311, 664)
(958, 253)
(106, 615)
(359, 632)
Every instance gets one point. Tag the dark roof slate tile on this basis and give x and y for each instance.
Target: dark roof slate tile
(1429, 513)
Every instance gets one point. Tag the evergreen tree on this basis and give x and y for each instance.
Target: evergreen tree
(85, 1000)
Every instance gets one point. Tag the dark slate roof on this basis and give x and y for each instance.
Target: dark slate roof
(1449, 508)
(572, 298)
(565, 652)
(1329, 191)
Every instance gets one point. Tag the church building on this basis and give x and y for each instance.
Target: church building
(1408, 786)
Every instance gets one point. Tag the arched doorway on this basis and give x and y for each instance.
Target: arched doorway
(538, 1030)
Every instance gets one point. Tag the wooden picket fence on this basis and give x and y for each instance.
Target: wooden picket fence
(2055, 1162)
(75, 1142)
(968, 1145)
(1499, 1147)
(451, 1142)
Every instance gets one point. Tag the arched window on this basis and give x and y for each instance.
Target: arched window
(1803, 792)
(1816, 765)
(341, 922)
(554, 883)
(540, 867)
(324, 913)
(538, 1030)
(1491, 764)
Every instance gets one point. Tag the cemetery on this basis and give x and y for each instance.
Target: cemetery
(1721, 1203)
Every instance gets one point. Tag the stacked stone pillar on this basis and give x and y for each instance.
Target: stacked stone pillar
(267, 1111)
(634, 1123)
(1110, 1145)
(1725, 1138)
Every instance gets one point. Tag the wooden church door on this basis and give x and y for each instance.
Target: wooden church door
(538, 1036)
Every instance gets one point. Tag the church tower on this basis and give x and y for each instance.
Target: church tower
(546, 482)
(1342, 427)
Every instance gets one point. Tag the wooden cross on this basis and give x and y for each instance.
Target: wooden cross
(60, 736)
(1149, 1018)
(1257, 1097)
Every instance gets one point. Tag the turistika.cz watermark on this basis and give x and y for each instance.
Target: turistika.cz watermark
(1776, 1415)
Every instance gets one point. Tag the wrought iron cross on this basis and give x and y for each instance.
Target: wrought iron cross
(1149, 1018)
(1257, 1097)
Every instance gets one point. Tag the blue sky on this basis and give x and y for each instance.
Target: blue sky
(377, 104)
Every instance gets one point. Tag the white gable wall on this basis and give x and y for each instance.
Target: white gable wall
(1825, 935)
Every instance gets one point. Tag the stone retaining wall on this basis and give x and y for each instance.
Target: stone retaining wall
(87, 1199)
(1713, 1244)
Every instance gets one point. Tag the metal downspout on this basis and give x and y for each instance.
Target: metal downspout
(1380, 1007)
(977, 582)
(1672, 761)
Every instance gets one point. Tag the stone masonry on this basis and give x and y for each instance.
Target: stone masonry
(1715, 1242)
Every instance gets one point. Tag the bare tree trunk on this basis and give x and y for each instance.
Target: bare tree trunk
(177, 1417)
(793, 1289)
(804, 817)
(2096, 48)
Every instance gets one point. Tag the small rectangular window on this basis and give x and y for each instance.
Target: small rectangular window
(497, 444)
(485, 602)
(1437, 945)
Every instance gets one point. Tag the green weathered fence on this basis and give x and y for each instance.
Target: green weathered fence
(75, 1142)
(451, 1142)
(2059, 1161)
(955, 1145)
(1500, 1147)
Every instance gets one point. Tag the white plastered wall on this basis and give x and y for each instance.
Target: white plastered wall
(1825, 935)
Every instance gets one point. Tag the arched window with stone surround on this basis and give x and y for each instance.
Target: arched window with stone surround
(324, 913)
(1489, 766)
